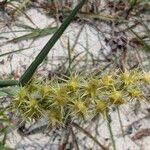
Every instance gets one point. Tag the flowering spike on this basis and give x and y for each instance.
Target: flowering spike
(77, 96)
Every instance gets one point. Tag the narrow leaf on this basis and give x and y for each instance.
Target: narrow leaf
(5, 83)
(41, 56)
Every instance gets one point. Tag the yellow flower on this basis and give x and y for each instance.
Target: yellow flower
(79, 107)
(22, 93)
(125, 77)
(20, 98)
(54, 117)
(32, 104)
(135, 93)
(33, 86)
(73, 83)
(146, 77)
(129, 78)
(107, 80)
(45, 90)
(91, 87)
(60, 96)
(116, 97)
(31, 109)
(100, 106)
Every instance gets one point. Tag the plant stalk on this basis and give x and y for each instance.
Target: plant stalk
(110, 130)
(5, 83)
(41, 56)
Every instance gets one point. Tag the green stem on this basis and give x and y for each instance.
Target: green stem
(41, 56)
(110, 130)
(5, 83)
(120, 121)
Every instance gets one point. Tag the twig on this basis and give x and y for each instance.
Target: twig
(65, 141)
(89, 135)
(75, 142)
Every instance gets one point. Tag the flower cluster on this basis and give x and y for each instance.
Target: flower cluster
(63, 100)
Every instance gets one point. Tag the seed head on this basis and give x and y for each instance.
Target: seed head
(136, 93)
(146, 77)
(54, 117)
(60, 96)
(73, 83)
(116, 97)
(91, 87)
(79, 107)
(45, 90)
(107, 80)
(100, 106)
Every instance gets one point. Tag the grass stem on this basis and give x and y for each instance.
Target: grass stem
(110, 130)
(5, 83)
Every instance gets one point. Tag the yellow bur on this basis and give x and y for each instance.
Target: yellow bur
(146, 77)
(107, 80)
(116, 97)
(79, 107)
(100, 106)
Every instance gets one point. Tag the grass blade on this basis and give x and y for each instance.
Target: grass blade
(5, 83)
(146, 46)
(34, 34)
(19, 50)
(110, 130)
(41, 56)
